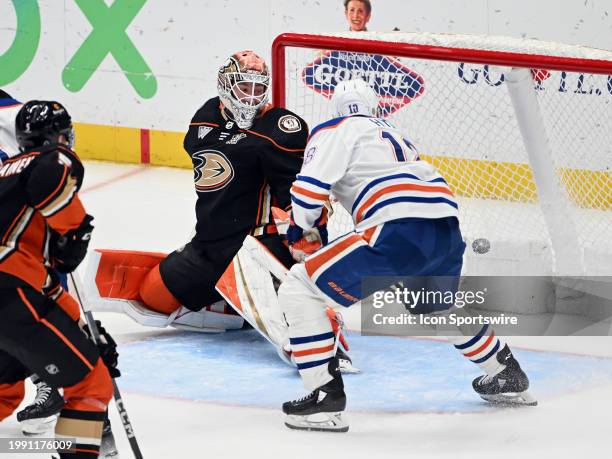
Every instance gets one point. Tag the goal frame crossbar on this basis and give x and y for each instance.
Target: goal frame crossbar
(467, 55)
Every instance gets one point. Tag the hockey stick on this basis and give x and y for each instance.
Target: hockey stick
(125, 420)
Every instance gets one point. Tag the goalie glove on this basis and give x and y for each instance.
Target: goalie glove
(305, 242)
(107, 348)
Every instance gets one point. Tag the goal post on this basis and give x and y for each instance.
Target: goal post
(521, 129)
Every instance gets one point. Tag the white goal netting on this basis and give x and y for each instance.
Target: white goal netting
(460, 116)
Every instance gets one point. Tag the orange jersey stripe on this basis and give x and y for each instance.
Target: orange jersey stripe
(204, 124)
(367, 234)
(400, 187)
(310, 194)
(292, 150)
(314, 263)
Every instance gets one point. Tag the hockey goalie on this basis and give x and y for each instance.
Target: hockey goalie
(245, 157)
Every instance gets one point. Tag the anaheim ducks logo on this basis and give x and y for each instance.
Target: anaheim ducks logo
(212, 170)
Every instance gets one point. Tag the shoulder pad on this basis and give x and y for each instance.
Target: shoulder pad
(52, 155)
(287, 129)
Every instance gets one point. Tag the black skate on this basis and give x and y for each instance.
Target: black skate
(509, 386)
(40, 416)
(320, 410)
(108, 446)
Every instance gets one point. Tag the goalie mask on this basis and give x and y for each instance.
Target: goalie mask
(355, 97)
(243, 83)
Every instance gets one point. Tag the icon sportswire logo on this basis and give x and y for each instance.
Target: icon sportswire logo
(396, 84)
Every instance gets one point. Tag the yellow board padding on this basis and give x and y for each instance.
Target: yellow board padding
(167, 149)
(467, 177)
(476, 178)
(107, 143)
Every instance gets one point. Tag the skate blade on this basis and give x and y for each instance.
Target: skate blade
(38, 426)
(320, 422)
(347, 367)
(511, 399)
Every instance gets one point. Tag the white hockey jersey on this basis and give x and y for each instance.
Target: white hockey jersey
(8, 142)
(373, 171)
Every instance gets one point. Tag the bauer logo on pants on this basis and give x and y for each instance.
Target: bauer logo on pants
(396, 84)
(212, 170)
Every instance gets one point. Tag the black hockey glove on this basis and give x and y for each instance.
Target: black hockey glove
(68, 251)
(107, 347)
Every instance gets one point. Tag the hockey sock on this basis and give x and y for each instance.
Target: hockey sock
(481, 349)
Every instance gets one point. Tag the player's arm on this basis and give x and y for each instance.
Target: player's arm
(326, 160)
(52, 183)
(283, 162)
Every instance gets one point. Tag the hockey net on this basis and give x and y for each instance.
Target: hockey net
(449, 95)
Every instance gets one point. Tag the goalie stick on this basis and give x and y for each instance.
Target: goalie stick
(125, 420)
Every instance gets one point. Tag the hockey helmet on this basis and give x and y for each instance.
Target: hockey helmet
(355, 97)
(243, 82)
(39, 123)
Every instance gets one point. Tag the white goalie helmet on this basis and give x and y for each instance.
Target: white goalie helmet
(243, 82)
(355, 97)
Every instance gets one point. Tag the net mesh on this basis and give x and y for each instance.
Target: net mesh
(461, 119)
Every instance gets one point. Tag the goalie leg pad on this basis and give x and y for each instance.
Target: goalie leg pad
(120, 273)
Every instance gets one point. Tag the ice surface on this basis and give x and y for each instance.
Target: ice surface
(217, 396)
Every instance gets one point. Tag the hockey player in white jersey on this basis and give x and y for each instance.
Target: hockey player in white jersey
(8, 111)
(406, 224)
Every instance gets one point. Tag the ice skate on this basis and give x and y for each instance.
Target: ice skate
(321, 410)
(509, 386)
(40, 416)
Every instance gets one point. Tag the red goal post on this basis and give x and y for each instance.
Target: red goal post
(532, 166)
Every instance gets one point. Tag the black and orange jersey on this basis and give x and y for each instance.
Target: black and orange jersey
(38, 192)
(240, 174)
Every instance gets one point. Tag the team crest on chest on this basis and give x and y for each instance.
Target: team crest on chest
(289, 124)
(212, 170)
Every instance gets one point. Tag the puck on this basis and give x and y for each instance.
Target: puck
(481, 245)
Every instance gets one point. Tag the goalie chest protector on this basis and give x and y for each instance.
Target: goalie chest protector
(240, 173)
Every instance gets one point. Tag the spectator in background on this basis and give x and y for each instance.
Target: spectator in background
(358, 14)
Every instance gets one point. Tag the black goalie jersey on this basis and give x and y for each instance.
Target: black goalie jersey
(240, 174)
